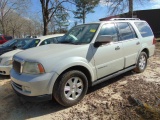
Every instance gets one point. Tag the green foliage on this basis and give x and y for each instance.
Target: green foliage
(83, 7)
(61, 16)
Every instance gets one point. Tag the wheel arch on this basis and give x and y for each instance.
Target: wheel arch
(146, 51)
(88, 73)
(81, 69)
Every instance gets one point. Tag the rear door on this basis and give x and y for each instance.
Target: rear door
(109, 58)
(130, 41)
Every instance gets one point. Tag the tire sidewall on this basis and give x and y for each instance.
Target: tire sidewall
(61, 98)
(138, 68)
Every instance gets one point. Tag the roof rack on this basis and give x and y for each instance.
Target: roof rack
(124, 19)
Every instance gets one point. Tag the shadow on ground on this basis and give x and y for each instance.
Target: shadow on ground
(17, 108)
(108, 82)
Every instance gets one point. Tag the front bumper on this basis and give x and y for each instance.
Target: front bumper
(34, 98)
(38, 85)
(5, 70)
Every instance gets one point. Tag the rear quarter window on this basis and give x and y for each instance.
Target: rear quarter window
(144, 29)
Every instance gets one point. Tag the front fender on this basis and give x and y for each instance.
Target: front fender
(67, 63)
(74, 61)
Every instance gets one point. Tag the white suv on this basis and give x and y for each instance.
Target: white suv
(87, 55)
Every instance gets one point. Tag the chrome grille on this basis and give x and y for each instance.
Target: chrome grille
(17, 66)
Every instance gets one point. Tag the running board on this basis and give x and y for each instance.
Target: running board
(112, 75)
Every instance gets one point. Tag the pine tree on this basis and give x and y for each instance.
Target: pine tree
(83, 7)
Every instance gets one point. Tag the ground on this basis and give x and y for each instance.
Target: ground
(129, 96)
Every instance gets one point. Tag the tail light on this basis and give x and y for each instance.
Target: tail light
(154, 41)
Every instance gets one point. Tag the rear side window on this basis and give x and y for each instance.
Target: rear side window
(126, 31)
(45, 42)
(52, 40)
(144, 29)
(1, 38)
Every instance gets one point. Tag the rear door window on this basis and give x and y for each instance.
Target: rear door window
(45, 42)
(51, 40)
(144, 29)
(126, 31)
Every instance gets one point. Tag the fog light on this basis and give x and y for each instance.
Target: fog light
(26, 89)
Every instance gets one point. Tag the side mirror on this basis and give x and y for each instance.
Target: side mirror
(103, 39)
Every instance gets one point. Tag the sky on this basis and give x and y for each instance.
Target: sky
(100, 10)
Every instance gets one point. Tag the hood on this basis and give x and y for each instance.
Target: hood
(2, 47)
(4, 50)
(45, 51)
(54, 54)
(11, 53)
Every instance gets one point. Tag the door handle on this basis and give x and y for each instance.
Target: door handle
(117, 48)
(137, 43)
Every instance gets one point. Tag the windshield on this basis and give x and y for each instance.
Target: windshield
(81, 34)
(9, 43)
(31, 43)
(22, 42)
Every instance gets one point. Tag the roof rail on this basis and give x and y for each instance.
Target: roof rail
(124, 19)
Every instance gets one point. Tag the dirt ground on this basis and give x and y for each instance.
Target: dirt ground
(130, 96)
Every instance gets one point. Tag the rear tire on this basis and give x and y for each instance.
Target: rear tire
(70, 88)
(141, 63)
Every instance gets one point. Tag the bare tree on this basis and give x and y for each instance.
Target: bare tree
(119, 6)
(8, 6)
(15, 23)
(49, 8)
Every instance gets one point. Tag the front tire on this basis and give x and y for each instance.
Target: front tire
(141, 63)
(70, 88)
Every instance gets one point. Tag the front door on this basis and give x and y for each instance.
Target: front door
(109, 58)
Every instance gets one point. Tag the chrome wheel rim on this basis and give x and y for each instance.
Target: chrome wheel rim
(73, 88)
(142, 62)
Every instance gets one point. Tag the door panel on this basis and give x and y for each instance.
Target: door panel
(130, 41)
(131, 50)
(108, 60)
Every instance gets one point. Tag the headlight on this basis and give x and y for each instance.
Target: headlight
(32, 68)
(7, 63)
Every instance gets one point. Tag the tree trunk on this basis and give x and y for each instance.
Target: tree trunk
(84, 19)
(3, 28)
(130, 14)
(45, 27)
(84, 15)
(13, 33)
